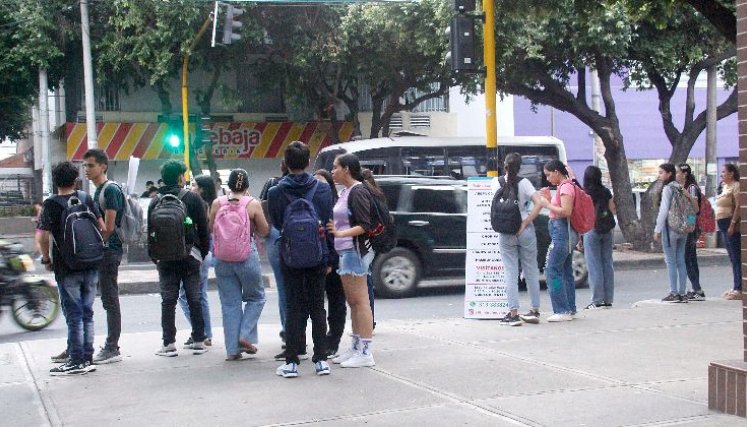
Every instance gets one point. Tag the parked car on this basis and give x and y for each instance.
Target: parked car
(431, 220)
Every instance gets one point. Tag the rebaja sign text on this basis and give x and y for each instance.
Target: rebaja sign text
(230, 144)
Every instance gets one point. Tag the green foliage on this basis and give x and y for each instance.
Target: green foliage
(32, 36)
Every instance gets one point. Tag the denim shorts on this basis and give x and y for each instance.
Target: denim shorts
(351, 262)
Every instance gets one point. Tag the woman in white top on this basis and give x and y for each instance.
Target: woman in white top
(522, 246)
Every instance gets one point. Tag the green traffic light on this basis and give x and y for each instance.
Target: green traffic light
(175, 141)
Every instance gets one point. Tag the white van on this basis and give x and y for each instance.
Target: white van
(450, 156)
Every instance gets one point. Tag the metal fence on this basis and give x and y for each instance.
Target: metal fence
(16, 190)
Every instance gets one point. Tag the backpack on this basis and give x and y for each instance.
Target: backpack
(232, 230)
(605, 220)
(583, 216)
(706, 221)
(681, 216)
(302, 235)
(382, 236)
(169, 228)
(505, 216)
(82, 247)
(130, 227)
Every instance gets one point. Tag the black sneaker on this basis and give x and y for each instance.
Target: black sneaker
(61, 358)
(671, 298)
(69, 368)
(281, 356)
(682, 298)
(695, 296)
(107, 355)
(511, 320)
(531, 316)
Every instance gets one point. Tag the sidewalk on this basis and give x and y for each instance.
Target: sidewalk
(644, 365)
(142, 278)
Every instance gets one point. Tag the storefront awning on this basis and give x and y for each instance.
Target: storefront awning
(235, 140)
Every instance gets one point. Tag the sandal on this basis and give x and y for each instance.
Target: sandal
(247, 347)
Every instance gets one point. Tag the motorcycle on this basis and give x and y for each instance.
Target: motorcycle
(33, 301)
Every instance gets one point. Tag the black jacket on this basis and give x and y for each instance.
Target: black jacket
(359, 208)
(298, 186)
(196, 210)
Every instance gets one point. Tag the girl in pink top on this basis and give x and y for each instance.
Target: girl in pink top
(559, 268)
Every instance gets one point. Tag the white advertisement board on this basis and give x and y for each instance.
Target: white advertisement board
(485, 282)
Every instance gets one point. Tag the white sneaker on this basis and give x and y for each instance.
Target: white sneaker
(167, 351)
(345, 356)
(560, 317)
(359, 360)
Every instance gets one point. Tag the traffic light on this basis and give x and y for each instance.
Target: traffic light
(173, 138)
(461, 35)
(462, 6)
(231, 24)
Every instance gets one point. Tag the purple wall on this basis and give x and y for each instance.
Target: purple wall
(640, 122)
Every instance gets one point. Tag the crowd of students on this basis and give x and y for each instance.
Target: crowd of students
(317, 245)
(315, 239)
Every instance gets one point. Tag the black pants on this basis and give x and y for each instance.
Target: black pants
(733, 243)
(171, 275)
(304, 289)
(108, 272)
(691, 260)
(337, 310)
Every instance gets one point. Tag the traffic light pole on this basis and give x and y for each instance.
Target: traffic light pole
(491, 127)
(185, 92)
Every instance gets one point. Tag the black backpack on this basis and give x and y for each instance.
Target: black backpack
(169, 228)
(605, 220)
(505, 217)
(82, 247)
(383, 234)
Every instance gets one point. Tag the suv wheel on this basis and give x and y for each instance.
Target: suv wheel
(396, 273)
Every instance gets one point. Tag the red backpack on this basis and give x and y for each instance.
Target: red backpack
(706, 217)
(584, 215)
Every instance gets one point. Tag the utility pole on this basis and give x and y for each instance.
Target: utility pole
(491, 126)
(88, 76)
(44, 133)
(710, 151)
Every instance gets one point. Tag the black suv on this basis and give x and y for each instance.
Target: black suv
(431, 219)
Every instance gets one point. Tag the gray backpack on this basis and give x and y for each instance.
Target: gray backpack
(130, 228)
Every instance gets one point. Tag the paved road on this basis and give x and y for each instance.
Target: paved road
(141, 313)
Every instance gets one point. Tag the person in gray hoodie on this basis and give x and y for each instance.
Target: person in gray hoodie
(304, 286)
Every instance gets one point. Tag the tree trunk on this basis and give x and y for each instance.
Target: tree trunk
(377, 105)
(165, 97)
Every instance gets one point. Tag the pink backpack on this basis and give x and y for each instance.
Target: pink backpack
(232, 230)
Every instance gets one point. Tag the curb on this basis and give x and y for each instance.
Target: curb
(658, 262)
(153, 287)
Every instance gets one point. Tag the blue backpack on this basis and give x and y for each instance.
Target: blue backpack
(302, 235)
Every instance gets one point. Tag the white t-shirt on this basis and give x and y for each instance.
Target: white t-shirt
(526, 191)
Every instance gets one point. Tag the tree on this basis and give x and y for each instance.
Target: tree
(540, 52)
(32, 37)
(396, 48)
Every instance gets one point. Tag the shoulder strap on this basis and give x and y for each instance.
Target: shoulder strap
(310, 194)
(223, 200)
(102, 199)
(182, 193)
(245, 200)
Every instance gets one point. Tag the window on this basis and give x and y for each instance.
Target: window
(379, 160)
(391, 192)
(467, 161)
(440, 199)
(423, 161)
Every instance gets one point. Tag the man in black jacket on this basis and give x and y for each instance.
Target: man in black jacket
(304, 287)
(172, 273)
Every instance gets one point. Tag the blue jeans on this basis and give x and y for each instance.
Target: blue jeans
(734, 249)
(273, 256)
(520, 249)
(673, 245)
(237, 282)
(598, 254)
(559, 269)
(204, 269)
(78, 291)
